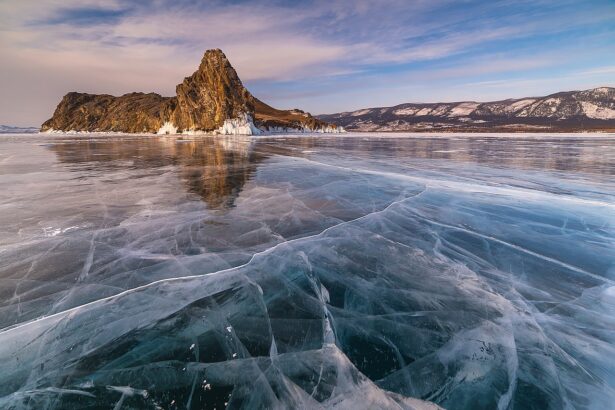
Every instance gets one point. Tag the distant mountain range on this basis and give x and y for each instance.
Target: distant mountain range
(7, 129)
(591, 110)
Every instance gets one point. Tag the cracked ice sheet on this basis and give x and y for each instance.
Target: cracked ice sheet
(395, 276)
(108, 225)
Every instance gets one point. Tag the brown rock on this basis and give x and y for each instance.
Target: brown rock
(135, 112)
(211, 95)
(267, 117)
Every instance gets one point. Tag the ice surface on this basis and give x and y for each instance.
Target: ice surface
(307, 272)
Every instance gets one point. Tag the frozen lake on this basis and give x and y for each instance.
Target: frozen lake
(362, 271)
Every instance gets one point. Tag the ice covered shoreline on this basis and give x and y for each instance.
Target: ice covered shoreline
(307, 133)
(241, 125)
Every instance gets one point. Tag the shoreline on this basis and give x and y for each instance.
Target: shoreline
(347, 134)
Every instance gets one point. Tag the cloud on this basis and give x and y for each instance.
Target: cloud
(599, 70)
(85, 16)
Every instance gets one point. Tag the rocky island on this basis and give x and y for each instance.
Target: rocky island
(212, 100)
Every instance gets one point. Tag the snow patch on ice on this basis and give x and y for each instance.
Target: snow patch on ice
(326, 130)
(128, 391)
(49, 231)
(75, 132)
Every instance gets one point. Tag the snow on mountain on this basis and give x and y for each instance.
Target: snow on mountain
(404, 111)
(519, 105)
(595, 111)
(463, 109)
(360, 112)
(572, 110)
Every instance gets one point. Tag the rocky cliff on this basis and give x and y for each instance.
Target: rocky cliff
(565, 111)
(212, 100)
(135, 112)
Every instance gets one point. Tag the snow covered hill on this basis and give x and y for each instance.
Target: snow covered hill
(572, 110)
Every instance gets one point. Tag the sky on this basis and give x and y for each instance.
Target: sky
(322, 56)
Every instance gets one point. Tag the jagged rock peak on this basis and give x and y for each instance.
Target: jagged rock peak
(213, 94)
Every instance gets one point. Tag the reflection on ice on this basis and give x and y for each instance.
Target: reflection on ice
(314, 273)
(215, 169)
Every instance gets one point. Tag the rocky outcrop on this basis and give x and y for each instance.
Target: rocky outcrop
(135, 112)
(213, 94)
(565, 111)
(211, 100)
(273, 120)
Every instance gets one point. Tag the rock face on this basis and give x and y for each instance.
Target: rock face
(212, 100)
(273, 120)
(135, 112)
(565, 111)
(213, 94)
